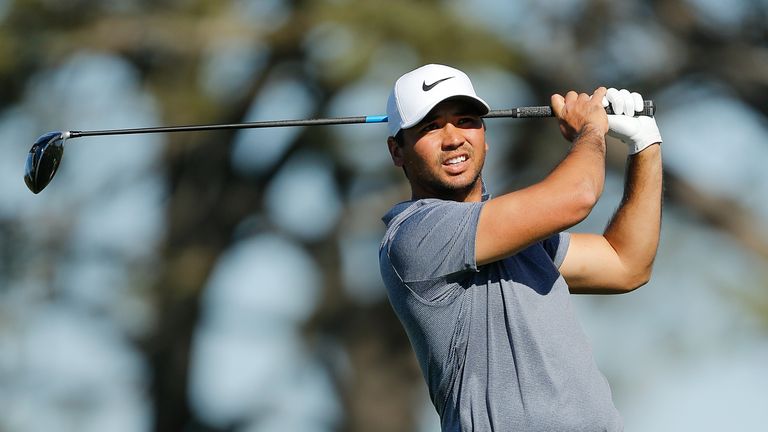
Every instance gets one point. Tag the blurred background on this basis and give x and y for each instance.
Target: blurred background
(228, 281)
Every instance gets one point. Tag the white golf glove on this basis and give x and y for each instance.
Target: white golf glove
(636, 132)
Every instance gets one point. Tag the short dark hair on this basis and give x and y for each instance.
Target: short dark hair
(399, 139)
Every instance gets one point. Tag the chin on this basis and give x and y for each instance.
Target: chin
(464, 181)
(459, 188)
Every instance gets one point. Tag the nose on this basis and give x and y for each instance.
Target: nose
(452, 136)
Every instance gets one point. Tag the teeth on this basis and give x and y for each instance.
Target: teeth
(455, 160)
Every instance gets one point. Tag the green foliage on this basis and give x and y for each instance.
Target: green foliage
(327, 45)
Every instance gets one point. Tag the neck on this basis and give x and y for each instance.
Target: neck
(473, 193)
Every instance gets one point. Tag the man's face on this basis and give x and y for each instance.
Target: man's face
(443, 155)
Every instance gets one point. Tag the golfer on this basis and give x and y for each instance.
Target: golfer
(482, 284)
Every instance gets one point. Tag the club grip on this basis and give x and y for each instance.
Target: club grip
(649, 109)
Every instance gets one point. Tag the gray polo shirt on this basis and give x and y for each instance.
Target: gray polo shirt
(499, 344)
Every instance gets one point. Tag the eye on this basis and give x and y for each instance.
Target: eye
(468, 121)
(429, 127)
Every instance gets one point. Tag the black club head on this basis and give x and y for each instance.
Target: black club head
(43, 160)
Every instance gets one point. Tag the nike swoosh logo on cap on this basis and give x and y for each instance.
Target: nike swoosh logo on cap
(427, 87)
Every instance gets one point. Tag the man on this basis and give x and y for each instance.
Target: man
(482, 284)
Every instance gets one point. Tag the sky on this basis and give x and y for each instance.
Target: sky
(680, 353)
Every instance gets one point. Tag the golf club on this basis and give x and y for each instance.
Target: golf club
(45, 155)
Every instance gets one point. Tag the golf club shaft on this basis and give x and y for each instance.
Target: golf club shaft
(521, 112)
(249, 125)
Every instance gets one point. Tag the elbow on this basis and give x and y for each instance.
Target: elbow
(584, 199)
(635, 280)
(617, 283)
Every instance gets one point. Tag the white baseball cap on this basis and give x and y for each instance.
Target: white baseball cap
(417, 92)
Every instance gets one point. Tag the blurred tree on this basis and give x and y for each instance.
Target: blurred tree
(209, 198)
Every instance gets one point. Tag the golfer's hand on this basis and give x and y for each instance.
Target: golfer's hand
(578, 112)
(636, 132)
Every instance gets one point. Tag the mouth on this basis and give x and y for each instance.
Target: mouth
(456, 160)
(456, 164)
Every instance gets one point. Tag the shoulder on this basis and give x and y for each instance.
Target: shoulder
(407, 209)
(416, 219)
(431, 238)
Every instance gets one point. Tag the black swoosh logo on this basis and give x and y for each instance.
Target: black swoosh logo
(427, 87)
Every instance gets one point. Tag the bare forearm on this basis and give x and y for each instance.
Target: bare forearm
(586, 161)
(585, 164)
(634, 230)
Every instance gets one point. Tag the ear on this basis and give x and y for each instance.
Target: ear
(395, 151)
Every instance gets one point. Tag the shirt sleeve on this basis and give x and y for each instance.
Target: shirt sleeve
(557, 246)
(435, 241)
